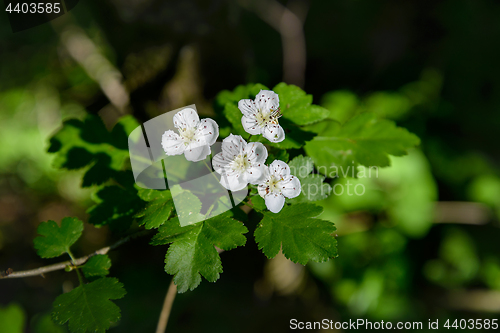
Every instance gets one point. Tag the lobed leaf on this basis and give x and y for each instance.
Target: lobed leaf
(97, 265)
(313, 187)
(297, 106)
(87, 143)
(192, 253)
(295, 136)
(158, 209)
(364, 140)
(300, 236)
(88, 307)
(55, 240)
(115, 206)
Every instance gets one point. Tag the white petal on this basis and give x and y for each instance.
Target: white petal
(290, 187)
(267, 100)
(232, 146)
(219, 163)
(247, 107)
(274, 133)
(275, 202)
(233, 182)
(172, 143)
(196, 153)
(209, 130)
(255, 175)
(256, 152)
(186, 118)
(250, 125)
(263, 190)
(279, 169)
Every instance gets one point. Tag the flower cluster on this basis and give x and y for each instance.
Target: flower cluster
(239, 163)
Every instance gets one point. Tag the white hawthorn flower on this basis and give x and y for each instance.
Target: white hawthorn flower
(260, 116)
(240, 163)
(195, 137)
(277, 185)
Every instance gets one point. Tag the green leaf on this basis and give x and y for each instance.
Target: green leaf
(55, 240)
(233, 114)
(45, 324)
(364, 140)
(295, 136)
(297, 106)
(158, 209)
(187, 206)
(88, 308)
(277, 154)
(115, 206)
(343, 105)
(12, 319)
(87, 143)
(300, 236)
(192, 253)
(301, 166)
(248, 91)
(312, 186)
(258, 202)
(97, 266)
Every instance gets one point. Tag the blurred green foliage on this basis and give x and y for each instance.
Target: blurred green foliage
(431, 67)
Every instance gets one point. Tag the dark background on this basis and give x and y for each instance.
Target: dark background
(432, 66)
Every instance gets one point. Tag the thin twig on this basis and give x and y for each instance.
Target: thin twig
(167, 304)
(167, 307)
(10, 274)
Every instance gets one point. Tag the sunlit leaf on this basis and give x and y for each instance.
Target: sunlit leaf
(55, 240)
(297, 232)
(192, 253)
(364, 140)
(297, 106)
(87, 143)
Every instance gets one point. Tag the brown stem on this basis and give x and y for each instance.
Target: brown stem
(10, 274)
(167, 307)
(167, 304)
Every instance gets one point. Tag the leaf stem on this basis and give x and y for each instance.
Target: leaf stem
(68, 251)
(73, 260)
